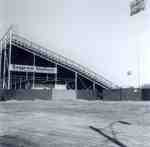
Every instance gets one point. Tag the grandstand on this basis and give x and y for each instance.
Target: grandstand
(26, 65)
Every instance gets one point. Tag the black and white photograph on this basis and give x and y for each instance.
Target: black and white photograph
(74, 73)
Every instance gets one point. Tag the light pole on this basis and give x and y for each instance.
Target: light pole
(129, 74)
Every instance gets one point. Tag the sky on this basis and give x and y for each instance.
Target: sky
(98, 34)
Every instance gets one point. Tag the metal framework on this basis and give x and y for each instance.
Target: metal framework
(11, 38)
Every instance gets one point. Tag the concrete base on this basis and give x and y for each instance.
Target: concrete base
(63, 94)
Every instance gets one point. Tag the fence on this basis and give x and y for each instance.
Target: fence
(123, 94)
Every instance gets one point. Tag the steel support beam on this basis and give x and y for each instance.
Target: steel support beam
(33, 72)
(15, 84)
(94, 89)
(26, 76)
(20, 83)
(56, 78)
(26, 80)
(9, 72)
(1, 60)
(76, 81)
(47, 77)
(4, 65)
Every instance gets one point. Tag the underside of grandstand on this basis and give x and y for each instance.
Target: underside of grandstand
(26, 65)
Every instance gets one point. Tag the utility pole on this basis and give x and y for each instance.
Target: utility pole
(138, 65)
(137, 6)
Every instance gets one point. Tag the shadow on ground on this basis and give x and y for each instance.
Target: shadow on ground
(15, 141)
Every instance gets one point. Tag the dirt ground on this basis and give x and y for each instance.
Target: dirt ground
(66, 123)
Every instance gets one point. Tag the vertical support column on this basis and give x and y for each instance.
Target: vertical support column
(34, 71)
(56, 74)
(15, 84)
(94, 91)
(26, 80)
(20, 83)
(47, 77)
(26, 76)
(1, 63)
(76, 82)
(9, 72)
(4, 66)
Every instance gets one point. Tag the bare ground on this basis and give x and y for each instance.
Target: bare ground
(66, 123)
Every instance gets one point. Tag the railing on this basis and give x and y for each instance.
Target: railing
(17, 39)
